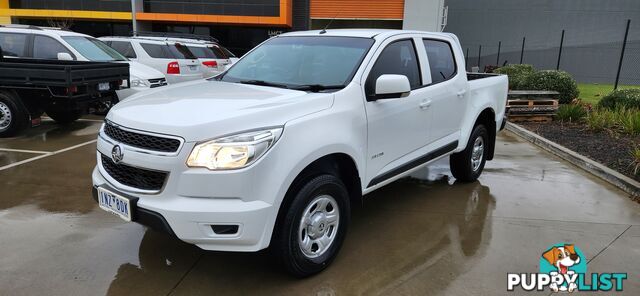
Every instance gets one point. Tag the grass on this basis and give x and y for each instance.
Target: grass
(592, 93)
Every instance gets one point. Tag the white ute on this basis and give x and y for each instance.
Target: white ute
(275, 151)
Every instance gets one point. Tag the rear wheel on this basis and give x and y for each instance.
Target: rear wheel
(468, 164)
(63, 116)
(313, 227)
(14, 117)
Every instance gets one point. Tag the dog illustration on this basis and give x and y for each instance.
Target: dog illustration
(562, 258)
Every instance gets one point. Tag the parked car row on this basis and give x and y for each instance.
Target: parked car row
(180, 59)
(152, 61)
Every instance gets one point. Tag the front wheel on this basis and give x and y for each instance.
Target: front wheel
(467, 165)
(313, 227)
(14, 117)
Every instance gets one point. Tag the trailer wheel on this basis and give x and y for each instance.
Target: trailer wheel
(63, 116)
(14, 117)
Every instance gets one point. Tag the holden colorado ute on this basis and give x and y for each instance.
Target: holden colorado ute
(276, 150)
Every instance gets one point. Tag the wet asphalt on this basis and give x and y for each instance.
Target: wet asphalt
(427, 235)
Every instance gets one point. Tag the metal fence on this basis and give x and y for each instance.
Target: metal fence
(616, 62)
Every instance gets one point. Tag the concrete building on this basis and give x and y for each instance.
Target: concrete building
(239, 25)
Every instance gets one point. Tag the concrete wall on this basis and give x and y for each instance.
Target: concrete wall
(594, 30)
(423, 15)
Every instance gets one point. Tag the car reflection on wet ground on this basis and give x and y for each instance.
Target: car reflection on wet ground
(426, 235)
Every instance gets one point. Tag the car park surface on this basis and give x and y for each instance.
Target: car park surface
(426, 235)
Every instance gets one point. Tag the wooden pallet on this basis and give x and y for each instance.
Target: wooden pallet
(531, 117)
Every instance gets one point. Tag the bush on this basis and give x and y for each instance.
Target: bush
(517, 74)
(601, 119)
(627, 98)
(571, 113)
(559, 81)
(629, 120)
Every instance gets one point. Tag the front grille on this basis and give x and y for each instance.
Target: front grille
(132, 176)
(153, 83)
(143, 141)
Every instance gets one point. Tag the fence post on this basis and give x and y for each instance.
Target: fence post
(479, 55)
(560, 51)
(466, 60)
(498, 58)
(624, 45)
(522, 51)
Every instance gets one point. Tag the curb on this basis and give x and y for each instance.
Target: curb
(597, 169)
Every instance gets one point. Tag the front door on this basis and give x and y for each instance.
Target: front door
(396, 126)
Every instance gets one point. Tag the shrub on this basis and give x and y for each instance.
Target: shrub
(559, 81)
(635, 154)
(629, 120)
(628, 98)
(517, 74)
(571, 113)
(601, 119)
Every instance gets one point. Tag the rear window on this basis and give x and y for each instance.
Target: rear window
(13, 45)
(124, 48)
(202, 52)
(180, 51)
(219, 52)
(157, 51)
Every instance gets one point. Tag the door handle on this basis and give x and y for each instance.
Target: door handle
(461, 93)
(425, 104)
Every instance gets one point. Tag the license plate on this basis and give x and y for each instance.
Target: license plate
(193, 68)
(103, 86)
(114, 204)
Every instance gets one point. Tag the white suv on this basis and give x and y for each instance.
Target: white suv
(51, 43)
(171, 58)
(274, 151)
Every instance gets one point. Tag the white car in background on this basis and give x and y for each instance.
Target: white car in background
(213, 56)
(173, 59)
(52, 43)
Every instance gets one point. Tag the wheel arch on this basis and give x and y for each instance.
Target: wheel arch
(488, 118)
(339, 164)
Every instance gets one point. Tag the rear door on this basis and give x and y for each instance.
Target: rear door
(447, 90)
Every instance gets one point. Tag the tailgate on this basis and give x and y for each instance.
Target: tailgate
(189, 66)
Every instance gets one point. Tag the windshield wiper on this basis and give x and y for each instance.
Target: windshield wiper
(264, 83)
(317, 87)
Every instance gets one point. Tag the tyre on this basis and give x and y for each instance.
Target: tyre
(63, 116)
(468, 164)
(313, 227)
(104, 107)
(14, 117)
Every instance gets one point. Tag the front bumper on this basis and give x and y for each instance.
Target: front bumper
(196, 220)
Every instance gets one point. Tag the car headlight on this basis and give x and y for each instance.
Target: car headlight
(233, 152)
(139, 83)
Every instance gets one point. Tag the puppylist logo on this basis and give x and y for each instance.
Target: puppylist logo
(563, 268)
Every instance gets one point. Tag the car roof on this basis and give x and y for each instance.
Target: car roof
(140, 39)
(362, 33)
(39, 30)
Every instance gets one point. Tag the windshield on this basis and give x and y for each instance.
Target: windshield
(301, 61)
(94, 49)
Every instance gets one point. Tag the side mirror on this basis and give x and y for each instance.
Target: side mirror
(391, 86)
(63, 56)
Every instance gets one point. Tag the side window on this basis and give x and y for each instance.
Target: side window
(157, 51)
(124, 48)
(13, 45)
(397, 58)
(47, 48)
(441, 61)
